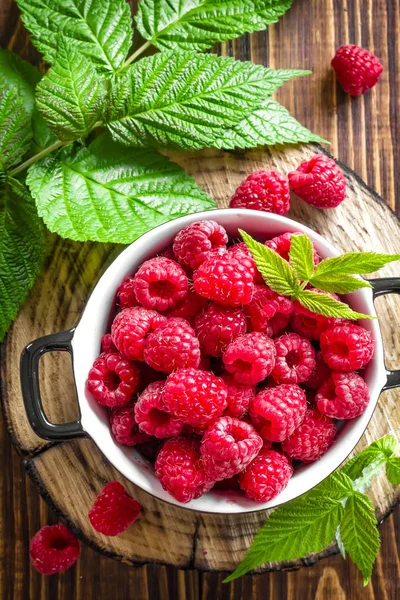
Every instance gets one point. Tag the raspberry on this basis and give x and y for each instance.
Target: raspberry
(107, 345)
(131, 327)
(250, 358)
(217, 326)
(172, 346)
(190, 306)
(126, 293)
(268, 312)
(124, 426)
(113, 380)
(277, 411)
(311, 325)
(343, 396)
(281, 245)
(113, 510)
(194, 242)
(180, 470)
(357, 69)
(263, 190)
(266, 476)
(347, 347)
(228, 485)
(295, 359)
(238, 397)
(320, 372)
(54, 549)
(319, 182)
(228, 446)
(151, 416)
(160, 284)
(224, 280)
(195, 397)
(312, 438)
(241, 253)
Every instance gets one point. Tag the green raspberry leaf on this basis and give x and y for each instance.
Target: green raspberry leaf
(301, 256)
(377, 452)
(71, 95)
(278, 274)
(393, 470)
(109, 193)
(341, 284)
(15, 128)
(354, 263)
(325, 305)
(359, 534)
(186, 100)
(266, 126)
(292, 531)
(337, 486)
(21, 249)
(101, 30)
(199, 24)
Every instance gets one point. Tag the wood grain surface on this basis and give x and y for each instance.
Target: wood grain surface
(364, 133)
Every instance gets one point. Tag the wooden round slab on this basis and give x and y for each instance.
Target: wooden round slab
(70, 474)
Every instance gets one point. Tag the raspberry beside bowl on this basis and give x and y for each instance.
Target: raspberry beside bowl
(84, 342)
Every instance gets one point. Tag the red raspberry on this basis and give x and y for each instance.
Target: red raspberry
(312, 438)
(195, 397)
(192, 244)
(250, 358)
(180, 470)
(228, 485)
(357, 69)
(151, 416)
(320, 372)
(277, 411)
(343, 396)
(113, 510)
(263, 190)
(268, 312)
(172, 346)
(266, 476)
(126, 293)
(228, 446)
(107, 345)
(131, 327)
(190, 306)
(309, 324)
(160, 284)
(319, 182)
(124, 426)
(217, 326)
(54, 549)
(295, 359)
(113, 380)
(281, 245)
(347, 347)
(224, 280)
(241, 253)
(238, 397)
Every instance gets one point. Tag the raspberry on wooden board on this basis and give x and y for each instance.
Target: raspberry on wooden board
(319, 182)
(357, 69)
(113, 510)
(263, 190)
(54, 549)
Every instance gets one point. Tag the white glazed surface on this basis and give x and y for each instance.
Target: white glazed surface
(94, 322)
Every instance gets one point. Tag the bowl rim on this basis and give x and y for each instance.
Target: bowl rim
(88, 406)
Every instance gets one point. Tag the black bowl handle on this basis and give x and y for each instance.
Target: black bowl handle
(387, 285)
(31, 389)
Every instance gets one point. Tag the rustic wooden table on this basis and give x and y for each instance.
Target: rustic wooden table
(365, 134)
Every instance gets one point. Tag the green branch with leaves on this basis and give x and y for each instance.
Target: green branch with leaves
(81, 143)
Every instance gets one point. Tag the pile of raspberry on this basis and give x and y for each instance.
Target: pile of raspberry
(218, 380)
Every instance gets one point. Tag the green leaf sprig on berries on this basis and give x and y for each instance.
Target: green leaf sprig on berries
(116, 187)
(331, 275)
(336, 508)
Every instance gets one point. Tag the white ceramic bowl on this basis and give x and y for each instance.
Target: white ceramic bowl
(84, 341)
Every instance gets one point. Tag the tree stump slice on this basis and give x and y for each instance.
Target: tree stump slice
(70, 474)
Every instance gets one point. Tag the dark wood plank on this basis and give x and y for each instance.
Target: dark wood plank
(365, 133)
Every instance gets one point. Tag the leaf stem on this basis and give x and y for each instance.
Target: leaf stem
(137, 53)
(38, 156)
